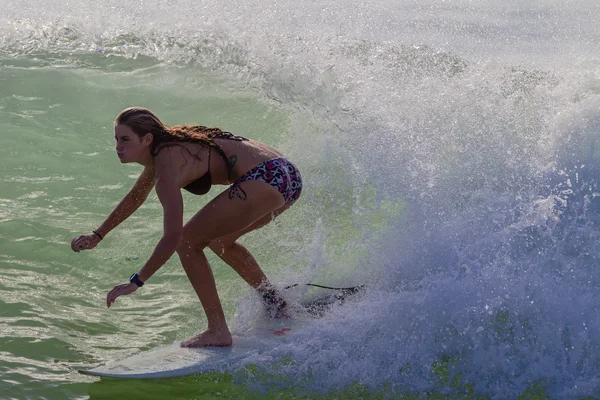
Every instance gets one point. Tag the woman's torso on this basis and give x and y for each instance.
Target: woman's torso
(193, 159)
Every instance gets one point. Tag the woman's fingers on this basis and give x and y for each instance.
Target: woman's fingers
(83, 242)
(112, 296)
(75, 244)
(119, 290)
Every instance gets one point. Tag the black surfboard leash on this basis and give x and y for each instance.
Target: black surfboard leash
(352, 289)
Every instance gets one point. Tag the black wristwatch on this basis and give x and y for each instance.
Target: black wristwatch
(136, 279)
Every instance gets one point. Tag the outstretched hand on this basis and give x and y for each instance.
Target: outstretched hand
(84, 242)
(120, 290)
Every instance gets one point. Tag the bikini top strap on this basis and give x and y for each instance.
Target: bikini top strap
(223, 156)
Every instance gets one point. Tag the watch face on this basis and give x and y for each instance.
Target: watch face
(134, 278)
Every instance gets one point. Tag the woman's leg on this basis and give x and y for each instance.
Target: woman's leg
(239, 258)
(219, 218)
(200, 275)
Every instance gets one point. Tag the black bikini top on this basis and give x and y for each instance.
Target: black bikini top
(203, 184)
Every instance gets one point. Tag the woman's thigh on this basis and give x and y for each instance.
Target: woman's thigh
(219, 244)
(225, 216)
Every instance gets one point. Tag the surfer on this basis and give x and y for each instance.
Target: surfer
(262, 185)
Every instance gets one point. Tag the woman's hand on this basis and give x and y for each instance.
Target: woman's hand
(85, 242)
(120, 290)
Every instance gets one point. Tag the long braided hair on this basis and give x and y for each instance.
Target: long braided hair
(143, 121)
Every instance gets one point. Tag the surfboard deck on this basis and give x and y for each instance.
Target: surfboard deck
(173, 360)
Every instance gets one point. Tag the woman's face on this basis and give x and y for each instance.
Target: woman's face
(129, 146)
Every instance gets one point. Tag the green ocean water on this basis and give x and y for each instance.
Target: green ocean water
(61, 178)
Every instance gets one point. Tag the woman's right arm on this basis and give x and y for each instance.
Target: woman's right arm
(127, 206)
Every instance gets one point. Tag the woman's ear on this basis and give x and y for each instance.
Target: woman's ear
(147, 139)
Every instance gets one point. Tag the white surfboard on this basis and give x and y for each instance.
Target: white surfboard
(173, 360)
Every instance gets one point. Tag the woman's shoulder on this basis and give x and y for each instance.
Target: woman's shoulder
(171, 158)
(175, 148)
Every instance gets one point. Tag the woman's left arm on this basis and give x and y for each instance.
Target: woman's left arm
(169, 194)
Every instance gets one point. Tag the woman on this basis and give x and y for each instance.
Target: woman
(263, 184)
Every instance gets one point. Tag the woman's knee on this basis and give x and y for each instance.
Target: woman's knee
(191, 245)
(220, 246)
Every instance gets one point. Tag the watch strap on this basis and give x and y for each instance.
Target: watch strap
(136, 279)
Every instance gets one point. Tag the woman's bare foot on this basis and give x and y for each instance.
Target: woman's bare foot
(209, 338)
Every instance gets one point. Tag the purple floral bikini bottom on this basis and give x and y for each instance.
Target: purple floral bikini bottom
(279, 173)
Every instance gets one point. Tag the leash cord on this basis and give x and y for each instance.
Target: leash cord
(352, 289)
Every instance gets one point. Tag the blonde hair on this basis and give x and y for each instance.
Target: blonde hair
(143, 121)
